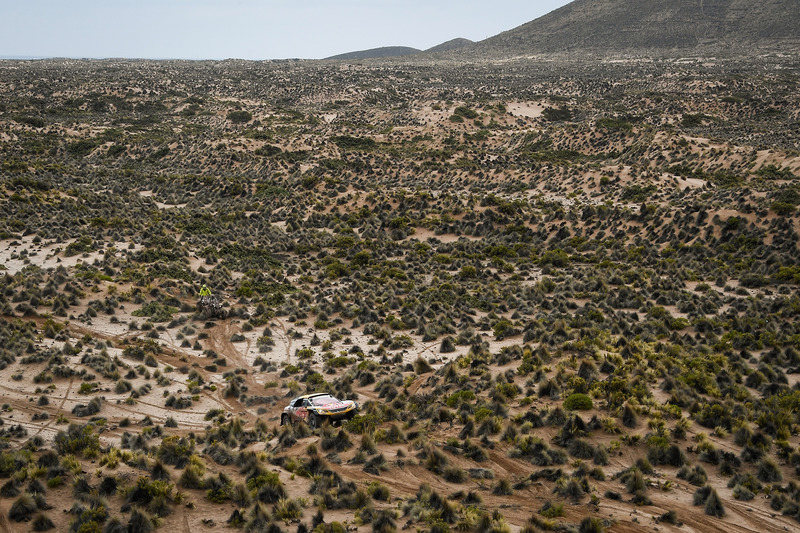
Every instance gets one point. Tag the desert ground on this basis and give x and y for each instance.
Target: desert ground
(564, 295)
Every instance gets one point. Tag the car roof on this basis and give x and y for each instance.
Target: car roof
(313, 395)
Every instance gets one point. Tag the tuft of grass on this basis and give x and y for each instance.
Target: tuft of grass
(502, 488)
(713, 505)
(288, 509)
(551, 510)
(42, 522)
(9, 489)
(23, 508)
(140, 522)
(454, 474)
(591, 524)
(192, 478)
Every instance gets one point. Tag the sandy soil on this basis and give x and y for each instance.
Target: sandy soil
(523, 109)
(19, 253)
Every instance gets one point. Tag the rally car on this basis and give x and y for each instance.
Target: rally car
(314, 409)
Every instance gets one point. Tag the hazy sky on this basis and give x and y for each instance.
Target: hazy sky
(248, 29)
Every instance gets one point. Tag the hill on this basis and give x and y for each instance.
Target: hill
(452, 44)
(375, 53)
(400, 51)
(608, 26)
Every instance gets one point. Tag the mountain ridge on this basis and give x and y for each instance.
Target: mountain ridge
(603, 26)
(630, 27)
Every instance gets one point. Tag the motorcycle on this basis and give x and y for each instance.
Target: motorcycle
(210, 307)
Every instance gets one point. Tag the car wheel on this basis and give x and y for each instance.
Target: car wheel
(284, 420)
(313, 421)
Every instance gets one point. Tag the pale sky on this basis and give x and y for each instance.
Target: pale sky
(248, 29)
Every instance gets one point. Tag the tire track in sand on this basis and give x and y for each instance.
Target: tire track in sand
(287, 339)
(60, 406)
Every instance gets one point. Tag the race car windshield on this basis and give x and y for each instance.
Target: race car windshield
(324, 400)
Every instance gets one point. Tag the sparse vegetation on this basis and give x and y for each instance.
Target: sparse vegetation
(517, 300)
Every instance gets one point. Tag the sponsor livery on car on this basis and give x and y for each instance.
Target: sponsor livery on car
(314, 409)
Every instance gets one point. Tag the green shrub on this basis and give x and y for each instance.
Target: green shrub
(240, 117)
(552, 114)
(36, 122)
(82, 148)
(455, 399)
(614, 123)
(77, 438)
(578, 402)
(465, 112)
(691, 120)
(346, 142)
(782, 208)
(558, 258)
